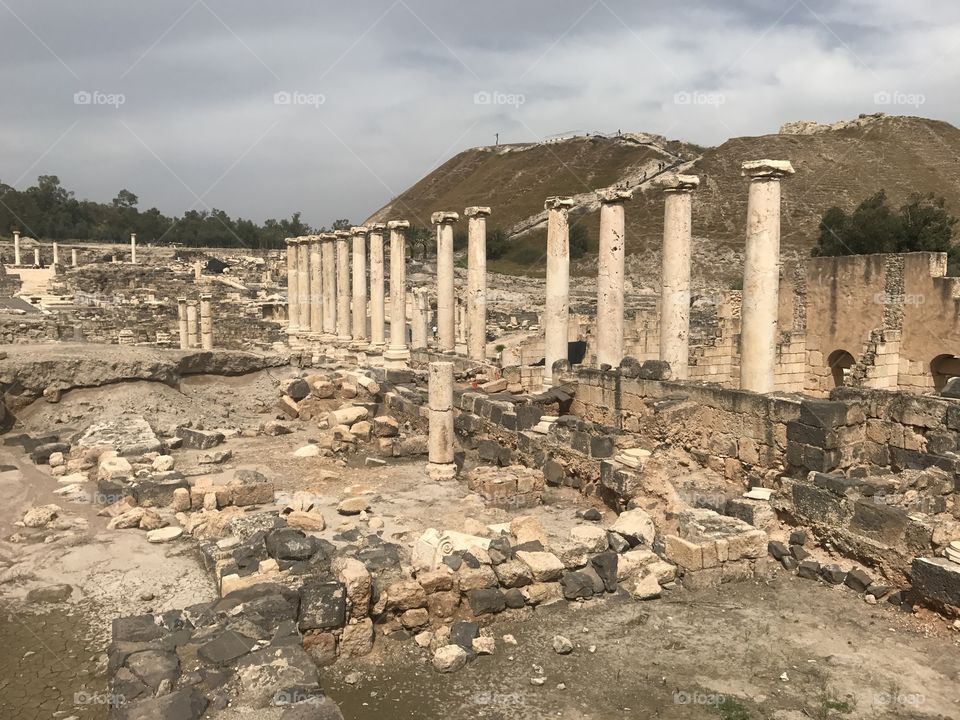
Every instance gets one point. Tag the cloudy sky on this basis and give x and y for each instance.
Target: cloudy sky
(264, 108)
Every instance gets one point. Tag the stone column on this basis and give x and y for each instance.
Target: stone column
(477, 282)
(293, 288)
(440, 443)
(343, 286)
(133, 248)
(73, 257)
(182, 323)
(303, 282)
(675, 273)
(397, 353)
(761, 275)
(377, 310)
(446, 323)
(206, 322)
(418, 323)
(16, 247)
(36, 257)
(610, 276)
(557, 313)
(56, 254)
(461, 322)
(192, 324)
(329, 264)
(359, 283)
(316, 286)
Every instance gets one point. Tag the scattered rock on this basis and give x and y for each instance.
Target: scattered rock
(562, 645)
(449, 658)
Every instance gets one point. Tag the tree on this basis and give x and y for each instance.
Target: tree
(497, 244)
(921, 224)
(460, 240)
(578, 241)
(125, 199)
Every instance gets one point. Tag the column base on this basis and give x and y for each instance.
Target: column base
(438, 472)
(396, 356)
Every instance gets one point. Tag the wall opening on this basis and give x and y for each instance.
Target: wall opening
(944, 368)
(840, 362)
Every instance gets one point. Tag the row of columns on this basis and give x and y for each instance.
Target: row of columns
(17, 259)
(761, 278)
(196, 328)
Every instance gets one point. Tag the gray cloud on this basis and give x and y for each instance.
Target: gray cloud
(399, 84)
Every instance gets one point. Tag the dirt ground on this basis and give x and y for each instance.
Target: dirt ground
(788, 649)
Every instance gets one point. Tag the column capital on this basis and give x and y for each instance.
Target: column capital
(766, 169)
(477, 211)
(377, 227)
(680, 183)
(614, 195)
(398, 224)
(206, 296)
(290, 241)
(181, 300)
(327, 237)
(341, 234)
(444, 217)
(558, 203)
(359, 230)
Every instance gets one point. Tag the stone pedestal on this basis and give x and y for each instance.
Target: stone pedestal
(377, 308)
(316, 287)
(343, 286)
(610, 277)
(761, 275)
(446, 322)
(293, 288)
(206, 322)
(441, 440)
(133, 248)
(328, 255)
(477, 282)
(183, 323)
(192, 339)
(675, 274)
(16, 247)
(397, 353)
(359, 309)
(557, 312)
(303, 272)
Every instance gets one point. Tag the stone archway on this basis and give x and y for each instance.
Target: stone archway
(943, 368)
(840, 362)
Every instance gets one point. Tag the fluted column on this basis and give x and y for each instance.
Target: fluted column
(133, 248)
(377, 309)
(440, 456)
(397, 353)
(328, 254)
(206, 322)
(446, 323)
(303, 272)
(343, 285)
(192, 324)
(675, 273)
(16, 247)
(316, 286)
(359, 308)
(293, 288)
(610, 276)
(761, 275)
(418, 323)
(183, 327)
(557, 311)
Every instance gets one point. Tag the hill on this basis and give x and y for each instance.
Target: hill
(838, 164)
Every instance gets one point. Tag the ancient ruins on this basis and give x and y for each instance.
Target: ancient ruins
(312, 480)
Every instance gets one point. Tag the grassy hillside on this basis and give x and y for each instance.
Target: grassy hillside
(834, 167)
